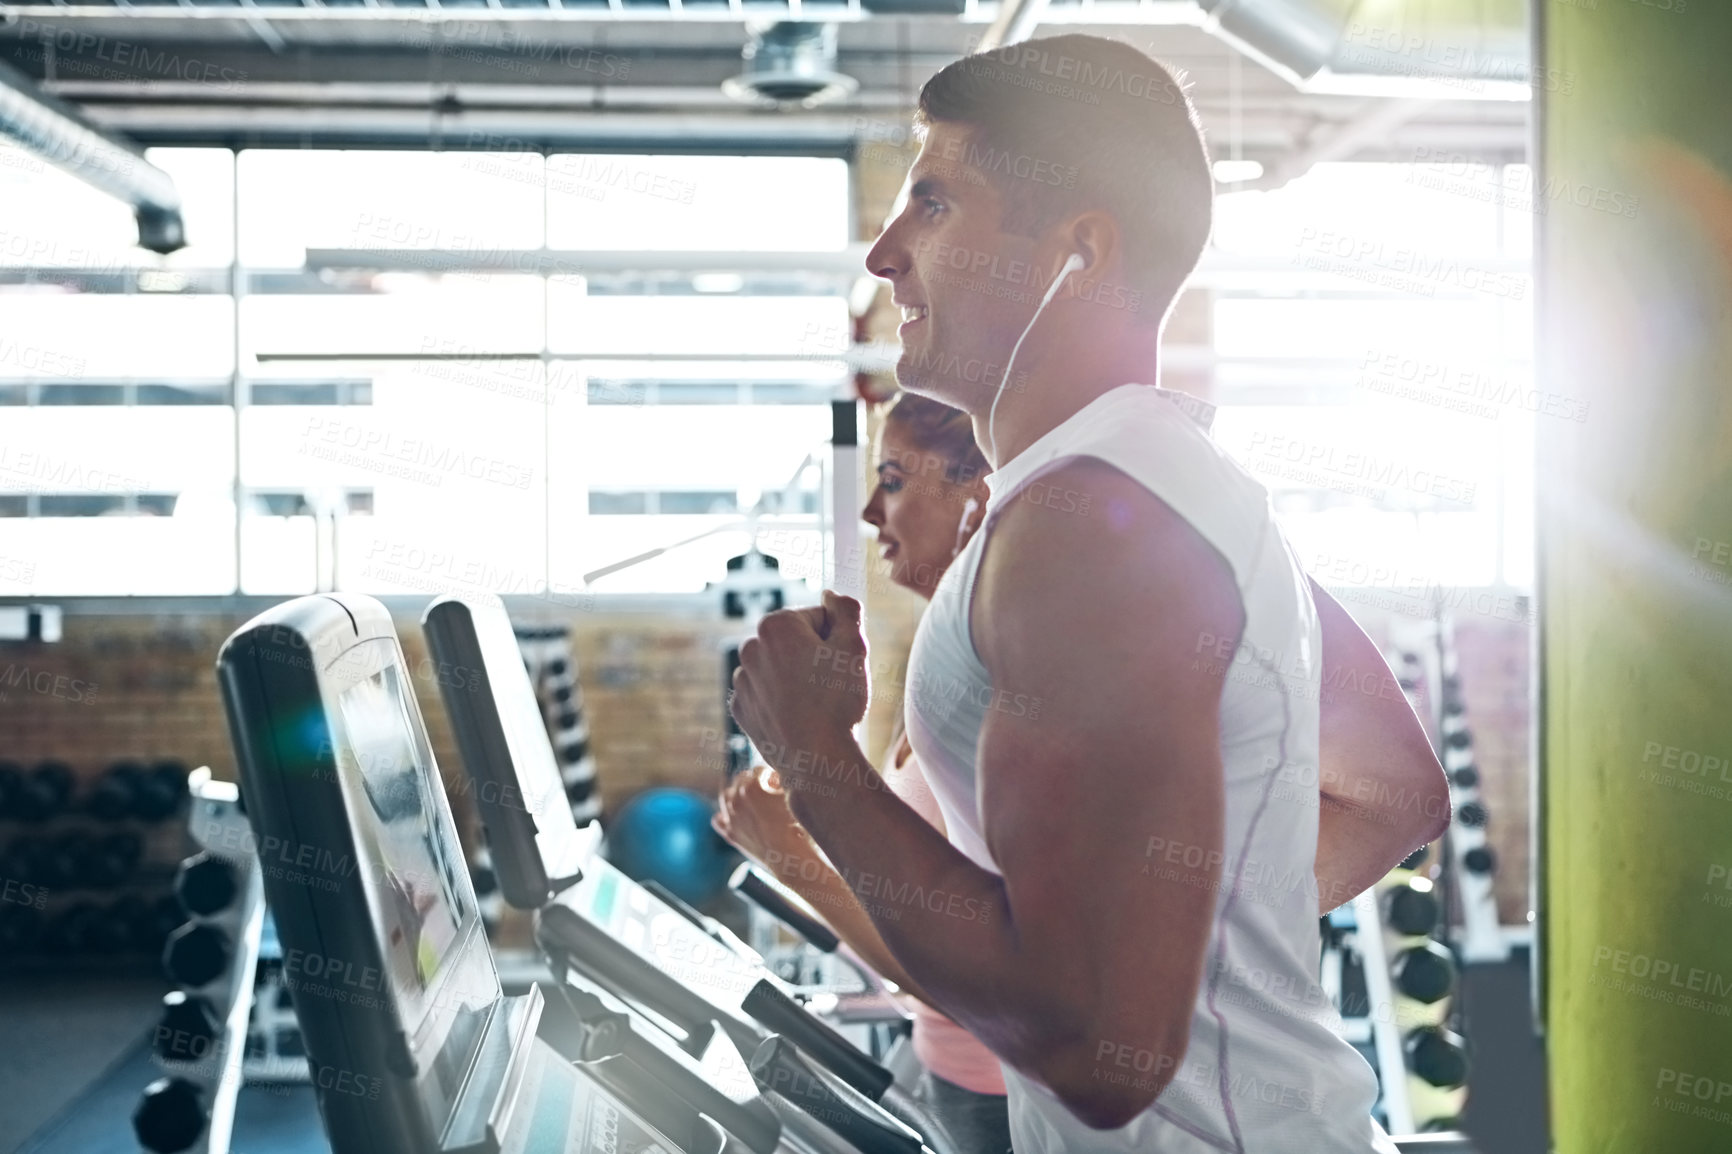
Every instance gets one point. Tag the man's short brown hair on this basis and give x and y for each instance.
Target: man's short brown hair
(1068, 123)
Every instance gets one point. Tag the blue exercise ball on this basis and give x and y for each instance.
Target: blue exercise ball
(664, 835)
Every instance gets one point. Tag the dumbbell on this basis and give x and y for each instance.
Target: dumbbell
(161, 791)
(206, 884)
(188, 1029)
(25, 858)
(11, 781)
(63, 860)
(111, 860)
(77, 860)
(1465, 776)
(197, 954)
(1472, 815)
(43, 793)
(1480, 860)
(85, 928)
(1410, 910)
(1437, 1056)
(171, 1116)
(113, 796)
(1424, 972)
(152, 922)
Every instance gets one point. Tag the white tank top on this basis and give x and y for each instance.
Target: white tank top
(1266, 1068)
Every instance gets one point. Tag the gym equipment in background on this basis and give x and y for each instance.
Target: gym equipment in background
(1436, 1051)
(664, 835)
(275, 1050)
(85, 863)
(754, 583)
(1465, 884)
(1391, 957)
(552, 670)
(42, 794)
(131, 790)
(200, 1039)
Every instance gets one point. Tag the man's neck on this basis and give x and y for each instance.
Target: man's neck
(1051, 394)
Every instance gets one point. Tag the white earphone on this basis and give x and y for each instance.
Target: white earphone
(969, 508)
(1073, 262)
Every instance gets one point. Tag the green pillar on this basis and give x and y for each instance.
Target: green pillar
(1634, 191)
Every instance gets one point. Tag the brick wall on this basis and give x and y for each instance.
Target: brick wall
(143, 686)
(134, 686)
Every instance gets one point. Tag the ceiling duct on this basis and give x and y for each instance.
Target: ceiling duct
(1461, 49)
(59, 134)
(791, 62)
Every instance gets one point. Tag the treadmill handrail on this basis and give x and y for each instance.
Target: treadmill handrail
(717, 933)
(578, 944)
(769, 897)
(608, 1033)
(779, 1068)
(780, 1014)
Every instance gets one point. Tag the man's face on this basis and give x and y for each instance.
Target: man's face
(965, 288)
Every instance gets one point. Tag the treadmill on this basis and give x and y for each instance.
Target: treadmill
(699, 994)
(412, 1045)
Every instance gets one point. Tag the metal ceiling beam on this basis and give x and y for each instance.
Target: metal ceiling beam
(1342, 140)
(61, 135)
(1015, 22)
(541, 261)
(497, 130)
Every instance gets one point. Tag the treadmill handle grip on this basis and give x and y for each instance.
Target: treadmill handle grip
(780, 1014)
(581, 946)
(770, 899)
(779, 1068)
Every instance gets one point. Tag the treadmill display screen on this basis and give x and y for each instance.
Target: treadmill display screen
(412, 881)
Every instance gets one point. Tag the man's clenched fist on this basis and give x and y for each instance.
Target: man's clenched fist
(801, 686)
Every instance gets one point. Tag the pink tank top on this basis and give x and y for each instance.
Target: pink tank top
(942, 1046)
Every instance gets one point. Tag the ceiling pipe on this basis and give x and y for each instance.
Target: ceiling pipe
(61, 135)
(1014, 23)
(1454, 49)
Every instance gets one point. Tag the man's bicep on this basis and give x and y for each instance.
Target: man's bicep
(1104, 811)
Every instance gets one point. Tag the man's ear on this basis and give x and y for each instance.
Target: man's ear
(1096, 237)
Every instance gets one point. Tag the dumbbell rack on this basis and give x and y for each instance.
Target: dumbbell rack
(553, 671)
(1469, 861)
(86, 862)
(1406, 1021)
(210, 1080)
(273, 1020)
(1364, 935)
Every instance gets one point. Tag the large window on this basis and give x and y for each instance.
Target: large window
(1371, 347)
(416, 395)
(382, 357)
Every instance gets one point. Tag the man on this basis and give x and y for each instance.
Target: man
(1119, 693)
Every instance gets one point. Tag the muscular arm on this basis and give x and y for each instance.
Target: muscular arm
(1383, 793)
(1071, 955)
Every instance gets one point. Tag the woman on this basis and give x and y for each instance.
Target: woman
(930, 495)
